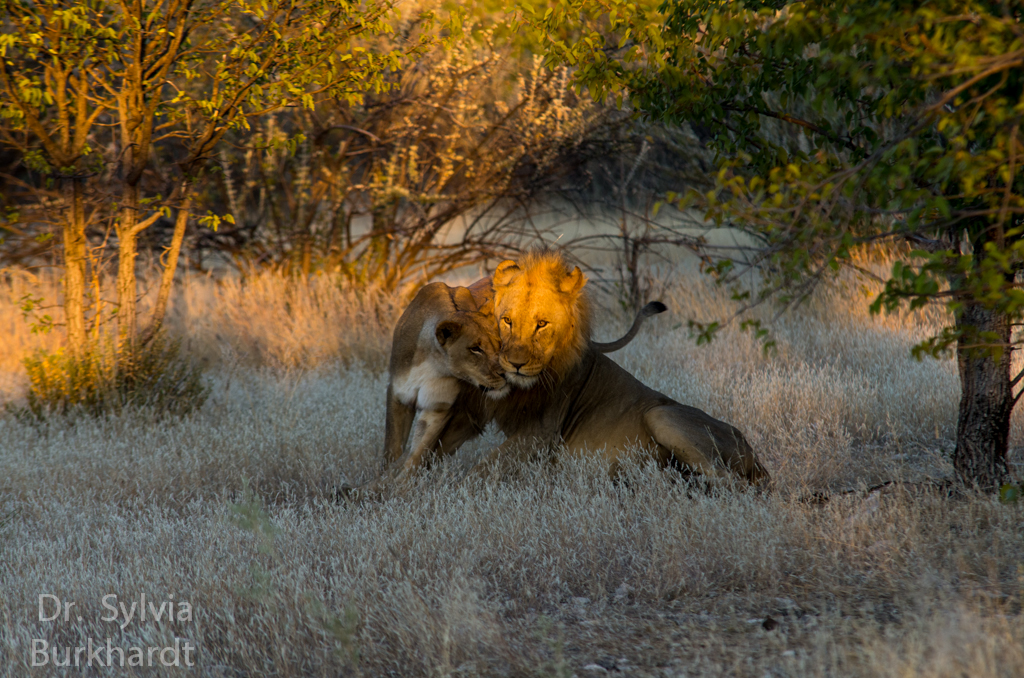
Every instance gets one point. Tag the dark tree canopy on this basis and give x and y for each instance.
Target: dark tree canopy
(840, 124)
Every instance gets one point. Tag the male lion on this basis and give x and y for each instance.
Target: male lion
(568, 393)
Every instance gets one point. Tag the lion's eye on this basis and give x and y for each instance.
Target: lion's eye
(476, 349)
(507, 321)
(542, 323)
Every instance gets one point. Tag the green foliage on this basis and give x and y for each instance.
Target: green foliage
(464, 131)
(168, 81)
(553, 635)
(206, 67)
(343, 628)
(104, 380)
(1009, 494)
(30, 305)
(250, 515)
(838, 124)
(212, 221)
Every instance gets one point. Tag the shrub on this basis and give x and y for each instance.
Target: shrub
(422, 178)
(107, 379)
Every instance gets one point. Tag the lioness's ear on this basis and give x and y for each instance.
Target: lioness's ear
(573, 282)
(447, 330)
(505, 273)
(463, 299)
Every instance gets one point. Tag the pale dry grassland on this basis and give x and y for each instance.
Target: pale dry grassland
(553, 571)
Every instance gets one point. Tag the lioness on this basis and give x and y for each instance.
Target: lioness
(567, 392)
(441, 343)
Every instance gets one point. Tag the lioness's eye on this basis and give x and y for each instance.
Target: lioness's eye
(542, 323)
(476, 349)
(507, 321)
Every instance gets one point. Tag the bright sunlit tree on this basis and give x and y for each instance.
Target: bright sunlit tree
(91, 92)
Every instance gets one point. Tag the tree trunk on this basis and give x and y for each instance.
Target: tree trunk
(986, 400)
(375, 266)
(74, 265)
(167, 280)
(127, 240)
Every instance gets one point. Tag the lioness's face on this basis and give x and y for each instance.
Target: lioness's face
(536, 320)
(471, 346)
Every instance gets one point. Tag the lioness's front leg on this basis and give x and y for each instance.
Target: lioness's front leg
(425, 439)
(467, 422)
(398, 418)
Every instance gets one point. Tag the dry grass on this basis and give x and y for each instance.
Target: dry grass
(554, 572)
(263, 320)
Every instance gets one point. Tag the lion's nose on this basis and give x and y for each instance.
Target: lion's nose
(516, 365)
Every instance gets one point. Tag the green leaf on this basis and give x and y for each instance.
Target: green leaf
(1009, 494)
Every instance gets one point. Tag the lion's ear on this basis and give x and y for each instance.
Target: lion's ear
(447, 330)
(573, 282)
(505, 273)
(463, 299)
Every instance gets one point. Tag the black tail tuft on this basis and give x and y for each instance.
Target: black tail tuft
(653, 308)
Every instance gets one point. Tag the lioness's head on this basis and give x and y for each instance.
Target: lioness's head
(543, 317)
(471, 347)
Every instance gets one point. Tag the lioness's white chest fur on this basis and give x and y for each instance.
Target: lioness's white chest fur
(428, 385)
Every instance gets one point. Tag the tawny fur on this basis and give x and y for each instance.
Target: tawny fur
(442, 347)
(424, 383)
(538, 296)
(567, 393)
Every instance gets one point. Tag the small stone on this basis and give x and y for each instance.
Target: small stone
(769, 624)
(596, 668)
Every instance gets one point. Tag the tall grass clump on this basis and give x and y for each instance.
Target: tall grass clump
(274, 319)
(102, 378)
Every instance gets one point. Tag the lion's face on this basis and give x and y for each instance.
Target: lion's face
(542, 322)
(471, 347)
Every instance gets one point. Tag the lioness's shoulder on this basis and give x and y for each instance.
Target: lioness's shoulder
(433, 304)
(433, 296)
(440, 298)
(482, 292)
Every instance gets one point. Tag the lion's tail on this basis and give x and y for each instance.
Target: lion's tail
(653, 308)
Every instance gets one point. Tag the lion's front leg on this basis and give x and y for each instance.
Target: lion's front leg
(461, 428)
(516, 451)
